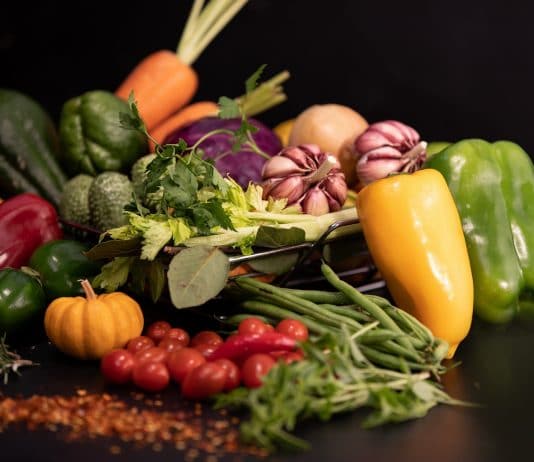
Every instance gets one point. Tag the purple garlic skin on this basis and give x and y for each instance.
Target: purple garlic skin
(306, 177)
(388, 147)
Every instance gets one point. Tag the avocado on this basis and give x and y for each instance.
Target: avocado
(109, 193)
(74, 200)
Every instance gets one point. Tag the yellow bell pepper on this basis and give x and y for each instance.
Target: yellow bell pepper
(414, 234)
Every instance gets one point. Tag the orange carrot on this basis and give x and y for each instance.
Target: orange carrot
(164, 82)
(263, 97)
(161, 83)
(188, 114)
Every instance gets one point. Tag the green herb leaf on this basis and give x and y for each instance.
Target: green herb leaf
(196, 275)
(272, 237)
(252, 81)
(114, 274)
(277, 264)
(114, 248)
(228, 108)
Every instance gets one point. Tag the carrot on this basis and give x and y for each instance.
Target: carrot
(263, 97)
(164, 81)
(188, 114)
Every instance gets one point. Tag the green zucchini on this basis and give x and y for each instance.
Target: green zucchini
(12, 181)
(29, 143)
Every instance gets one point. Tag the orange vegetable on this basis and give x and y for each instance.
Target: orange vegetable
(90, 327)
(163, 82)
(188, 114)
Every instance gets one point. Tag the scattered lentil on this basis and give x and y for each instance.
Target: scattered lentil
(86, 415)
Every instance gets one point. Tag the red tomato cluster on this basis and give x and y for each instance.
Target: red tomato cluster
(168, 353)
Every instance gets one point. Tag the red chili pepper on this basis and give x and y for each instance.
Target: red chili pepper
(26, 222)
(239, 346)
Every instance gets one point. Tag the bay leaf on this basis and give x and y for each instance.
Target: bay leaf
(196, 275)
(115, 248)
(273, 237)
(276, 264)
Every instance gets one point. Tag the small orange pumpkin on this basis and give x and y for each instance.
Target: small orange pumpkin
(90, 327)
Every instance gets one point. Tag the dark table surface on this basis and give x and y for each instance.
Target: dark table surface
(496, 370)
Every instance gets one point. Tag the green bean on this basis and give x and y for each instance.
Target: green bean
(411, 324)
(390, 346)
(236, 319)
(391, 361)
(377, 336)
(320, 296)
(357, 297)
(300, 305)
(347, 310)
(281, 313)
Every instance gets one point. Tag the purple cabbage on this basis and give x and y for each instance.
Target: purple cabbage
(242, 166)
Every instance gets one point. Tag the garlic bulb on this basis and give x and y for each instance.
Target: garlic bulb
(388, 147)
(305, 176)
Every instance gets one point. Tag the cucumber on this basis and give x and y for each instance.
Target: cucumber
(29, 143)
(12, 181)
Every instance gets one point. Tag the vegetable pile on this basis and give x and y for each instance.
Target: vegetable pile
(144, 196)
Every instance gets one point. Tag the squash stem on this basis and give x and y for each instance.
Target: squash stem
(88, 289)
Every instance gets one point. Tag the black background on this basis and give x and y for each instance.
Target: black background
(452, 69)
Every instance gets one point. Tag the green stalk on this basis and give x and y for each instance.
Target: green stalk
(320, 296)
(264, 96)
(363, 301)
(203, 25)
(290, 301)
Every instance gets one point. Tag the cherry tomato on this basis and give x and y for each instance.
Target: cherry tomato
(151, 376)
(152, 355)
(204, 381)
(251, 326)
(206, 349)
(233, 374)
(269, 328)
(293, 328)
(178, 334)
(206, 336)
(139, 343)
(170, 344)
(254, 368)
(157, 330)
(180, 362)
(117, 366)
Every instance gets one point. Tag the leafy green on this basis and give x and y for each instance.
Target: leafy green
(272, 236)
(228, 108)
(196, 275)
(332, 379)
(252, 82)
(114, 274)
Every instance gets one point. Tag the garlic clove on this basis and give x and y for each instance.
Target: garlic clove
(370, 139)
(290, 188)
(333, 204)
(315, 202)
(383, 152)
(336, 187)
(280, 166)
(369, 171)
(299, 156)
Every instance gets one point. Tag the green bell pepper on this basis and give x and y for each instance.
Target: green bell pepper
(92, 137)
(493, 187)
(22, 301)
(61, 264)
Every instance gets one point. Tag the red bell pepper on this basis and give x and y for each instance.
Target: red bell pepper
(26, 222)
(240, 346)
